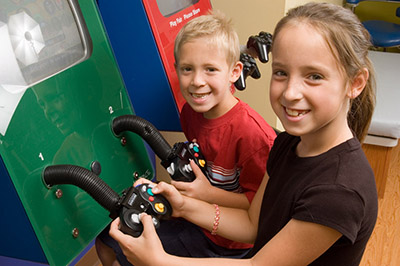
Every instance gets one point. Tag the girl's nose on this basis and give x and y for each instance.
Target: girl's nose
(293, 90)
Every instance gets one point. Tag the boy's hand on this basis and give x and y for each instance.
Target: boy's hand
(198, 188)
(143, 250)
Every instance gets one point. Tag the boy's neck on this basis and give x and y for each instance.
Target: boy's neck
(225, 109)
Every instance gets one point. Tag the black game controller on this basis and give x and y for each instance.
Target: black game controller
(178, 163)
(128, 206)
(261, 44)
(175, 159)
(140, 199)
(249, 69)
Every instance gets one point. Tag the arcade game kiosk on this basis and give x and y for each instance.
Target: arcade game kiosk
(60, 89)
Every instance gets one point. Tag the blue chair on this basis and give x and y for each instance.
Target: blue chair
(384, 29)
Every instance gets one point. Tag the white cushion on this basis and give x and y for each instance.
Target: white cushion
(386, 118)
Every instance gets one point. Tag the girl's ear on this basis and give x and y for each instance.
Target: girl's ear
(358, 83)
(236, 71)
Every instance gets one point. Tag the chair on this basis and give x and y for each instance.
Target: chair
(382, 20)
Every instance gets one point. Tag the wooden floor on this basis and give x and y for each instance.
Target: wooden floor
(89, 259)
(384, 246)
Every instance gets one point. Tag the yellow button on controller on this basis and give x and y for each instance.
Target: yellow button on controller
(202, 162)
(159, 207)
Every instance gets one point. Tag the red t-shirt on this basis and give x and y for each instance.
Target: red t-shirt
(236, 147)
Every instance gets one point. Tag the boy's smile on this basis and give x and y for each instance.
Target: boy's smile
(205, 77)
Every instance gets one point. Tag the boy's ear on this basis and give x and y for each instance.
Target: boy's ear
(236, 71)
(357, 85)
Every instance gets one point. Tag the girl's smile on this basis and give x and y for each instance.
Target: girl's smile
(295, 113)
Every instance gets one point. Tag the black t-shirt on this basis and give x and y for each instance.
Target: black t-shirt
(335, 189)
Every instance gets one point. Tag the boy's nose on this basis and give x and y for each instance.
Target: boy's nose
(198, 79)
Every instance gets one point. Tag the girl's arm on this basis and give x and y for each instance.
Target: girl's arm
(201, 189)
(235, 224)
(298, 243)
(147, 249)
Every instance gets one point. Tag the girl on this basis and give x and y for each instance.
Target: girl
(317, 203)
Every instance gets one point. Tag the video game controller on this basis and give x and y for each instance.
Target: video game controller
(249, 69)
(141, 199)
(261, 44)
(178, 164)
(175, 159)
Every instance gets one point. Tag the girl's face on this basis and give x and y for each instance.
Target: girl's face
(205, 77)
(307, 90)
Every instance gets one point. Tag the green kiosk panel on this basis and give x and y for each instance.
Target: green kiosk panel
(60, 89)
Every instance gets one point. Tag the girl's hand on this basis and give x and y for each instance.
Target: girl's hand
(175, 199)
(173, 196)
(143, 181)
(143, 250)
(198, 188)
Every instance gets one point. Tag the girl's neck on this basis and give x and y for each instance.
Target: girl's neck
(316, 144)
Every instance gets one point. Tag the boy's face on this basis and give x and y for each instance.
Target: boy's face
(205, 77)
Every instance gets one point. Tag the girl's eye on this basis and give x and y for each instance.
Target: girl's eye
(316, 77)
(211, 69)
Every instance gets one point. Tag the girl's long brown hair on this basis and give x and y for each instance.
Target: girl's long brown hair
(349, 42)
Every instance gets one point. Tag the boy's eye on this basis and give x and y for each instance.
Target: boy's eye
(186, 69)
(279, 73)
(211, 69)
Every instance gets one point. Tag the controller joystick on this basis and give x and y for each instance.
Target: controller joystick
(249, 69)
(141, 199)
(178, 163)
(261, 44)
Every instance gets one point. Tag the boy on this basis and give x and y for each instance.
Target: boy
(234, 139)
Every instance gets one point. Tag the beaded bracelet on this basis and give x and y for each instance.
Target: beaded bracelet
(216, 220)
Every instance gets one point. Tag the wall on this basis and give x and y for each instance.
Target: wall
(293, 3)
(250, 20)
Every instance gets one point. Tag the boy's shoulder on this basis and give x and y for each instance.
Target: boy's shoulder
(253, 117)
(241, 118)
(248, 124)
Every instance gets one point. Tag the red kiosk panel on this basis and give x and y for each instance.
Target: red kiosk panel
(166, 18)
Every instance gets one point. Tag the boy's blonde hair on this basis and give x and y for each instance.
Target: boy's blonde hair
(349, 42)
(218, 28)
